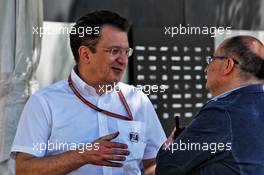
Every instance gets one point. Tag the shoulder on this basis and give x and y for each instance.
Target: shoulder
(58, 87)
(50, 93)
(219, 105)
(214, 111)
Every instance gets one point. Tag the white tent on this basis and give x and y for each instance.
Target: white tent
(19, 58)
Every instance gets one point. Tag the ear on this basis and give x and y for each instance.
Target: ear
(228, 66)
(84, 54)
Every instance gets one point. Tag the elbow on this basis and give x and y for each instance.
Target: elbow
(20, 169)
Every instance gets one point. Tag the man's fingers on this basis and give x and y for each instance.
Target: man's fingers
(112, 164)
(117, 152)
(114, 158)
(108, 137)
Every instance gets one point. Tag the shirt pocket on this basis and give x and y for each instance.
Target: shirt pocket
(132, 133)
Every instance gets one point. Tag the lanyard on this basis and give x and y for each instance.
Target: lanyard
(121, 96)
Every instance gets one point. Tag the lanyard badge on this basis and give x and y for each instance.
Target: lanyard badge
(134, 136)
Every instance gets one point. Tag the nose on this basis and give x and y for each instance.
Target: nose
(122, 59)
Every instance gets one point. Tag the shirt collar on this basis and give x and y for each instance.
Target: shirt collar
(86, 89)
(241, 89)
(81, 86)
(226, 93)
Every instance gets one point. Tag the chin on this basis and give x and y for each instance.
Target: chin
(116, 78)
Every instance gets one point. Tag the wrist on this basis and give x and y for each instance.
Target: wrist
(79, 157)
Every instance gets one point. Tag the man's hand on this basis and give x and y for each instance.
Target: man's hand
(107, 153)
(64, 163)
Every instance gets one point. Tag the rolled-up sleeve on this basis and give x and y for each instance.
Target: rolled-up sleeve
(33, 129)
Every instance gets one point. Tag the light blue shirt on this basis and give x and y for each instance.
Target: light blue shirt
(55, 115)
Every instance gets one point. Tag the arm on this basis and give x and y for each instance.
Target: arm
(66, 162)
(57, 165)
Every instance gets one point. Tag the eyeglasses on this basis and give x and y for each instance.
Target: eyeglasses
(119, 51)
(211, 58)
(116, 51)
